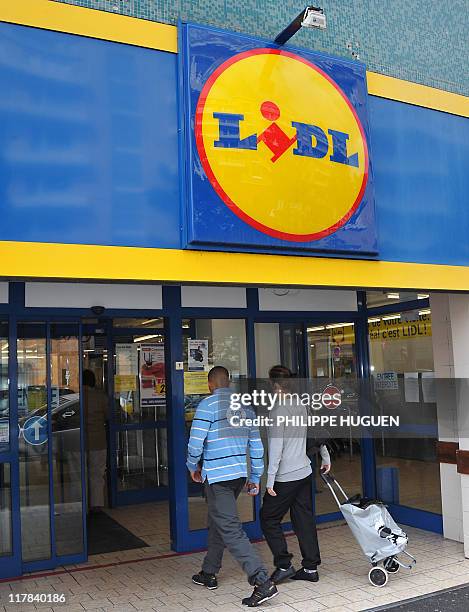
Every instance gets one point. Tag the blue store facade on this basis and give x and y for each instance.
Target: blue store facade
(144, 206)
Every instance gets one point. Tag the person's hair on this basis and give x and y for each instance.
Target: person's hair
(220, 376)
(89, 379)
(281, 375)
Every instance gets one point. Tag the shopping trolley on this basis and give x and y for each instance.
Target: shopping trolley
(380, 538)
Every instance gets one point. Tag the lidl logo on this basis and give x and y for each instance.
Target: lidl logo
(281, 144)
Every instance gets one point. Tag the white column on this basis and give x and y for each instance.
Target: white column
(443, 358)
(459, 318)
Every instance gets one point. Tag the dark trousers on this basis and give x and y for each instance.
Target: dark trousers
(295, 496)
(226, 530)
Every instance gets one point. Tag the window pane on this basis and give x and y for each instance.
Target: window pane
(66, 451)
(332, 359)
(401, 348)
(207, 343)
(5, 510)
(384, 298)
(142, 459)
(33, 442)
(139, 378)
(4, 398)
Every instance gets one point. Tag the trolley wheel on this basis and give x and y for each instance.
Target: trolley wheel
(378, 576)
(391, 565)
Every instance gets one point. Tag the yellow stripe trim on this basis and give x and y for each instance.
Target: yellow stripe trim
(64, 261)
(420, 95)
(70, 19)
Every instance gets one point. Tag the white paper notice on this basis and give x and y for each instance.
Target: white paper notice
(429, 387)
(411, 386)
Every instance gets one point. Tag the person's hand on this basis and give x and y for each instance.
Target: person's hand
(325, 469)
(252, 488)
(197, 475)
(271, 492)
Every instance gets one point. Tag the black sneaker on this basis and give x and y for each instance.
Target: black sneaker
(282, 574)
(262, 592)
(206, 580)
(310, 576)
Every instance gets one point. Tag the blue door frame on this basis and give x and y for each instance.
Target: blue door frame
(182, 539)
(116, 496)
(11, 566)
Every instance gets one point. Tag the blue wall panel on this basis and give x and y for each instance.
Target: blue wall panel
(420, 163)
(88, 141)
(89, 154)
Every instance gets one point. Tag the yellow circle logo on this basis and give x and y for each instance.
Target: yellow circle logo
(281, 144)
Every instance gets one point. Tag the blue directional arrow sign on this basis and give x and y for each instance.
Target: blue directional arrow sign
(35, 430)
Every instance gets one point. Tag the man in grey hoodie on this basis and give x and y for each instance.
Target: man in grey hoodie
(289, 488)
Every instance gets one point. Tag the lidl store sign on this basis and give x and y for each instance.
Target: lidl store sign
(277, 143)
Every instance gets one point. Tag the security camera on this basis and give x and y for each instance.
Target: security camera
(314, 17)
(97, 310)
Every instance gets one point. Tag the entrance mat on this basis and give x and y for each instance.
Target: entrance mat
(105, 535)
(455, 599)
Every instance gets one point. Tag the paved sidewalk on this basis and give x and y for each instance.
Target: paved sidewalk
(164, 585)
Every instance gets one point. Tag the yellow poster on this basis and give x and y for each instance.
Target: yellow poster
(195, 383)
(37, 397)
(395, 329)
(125, 382)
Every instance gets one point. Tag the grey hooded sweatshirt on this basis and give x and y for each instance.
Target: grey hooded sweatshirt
(288, 460)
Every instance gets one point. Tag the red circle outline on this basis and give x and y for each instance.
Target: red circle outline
(216, 185)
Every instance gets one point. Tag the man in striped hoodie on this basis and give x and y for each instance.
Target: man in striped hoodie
(217, 456)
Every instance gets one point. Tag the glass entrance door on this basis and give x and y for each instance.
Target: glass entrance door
(324, 353)
(50, 444)
(332, 360)
(138, 431)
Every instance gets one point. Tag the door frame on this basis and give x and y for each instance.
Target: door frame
(54, 560)
(191, 540)
(125, 498)
(174, 313)
(305, 320)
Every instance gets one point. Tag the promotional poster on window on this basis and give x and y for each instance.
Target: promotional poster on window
(152, 375)
(197, 355)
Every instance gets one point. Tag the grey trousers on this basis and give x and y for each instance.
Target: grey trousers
(225, 530)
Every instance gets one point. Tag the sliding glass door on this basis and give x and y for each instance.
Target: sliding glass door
(50, 444)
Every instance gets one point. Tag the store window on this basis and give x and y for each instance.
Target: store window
(401, 356)
(208, 343)
(375, 299)
(140, 408)
(332, 360)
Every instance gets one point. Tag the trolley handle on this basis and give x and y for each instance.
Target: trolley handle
(330, 480)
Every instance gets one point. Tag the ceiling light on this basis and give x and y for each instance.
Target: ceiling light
(336, 325)
(148, 337)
